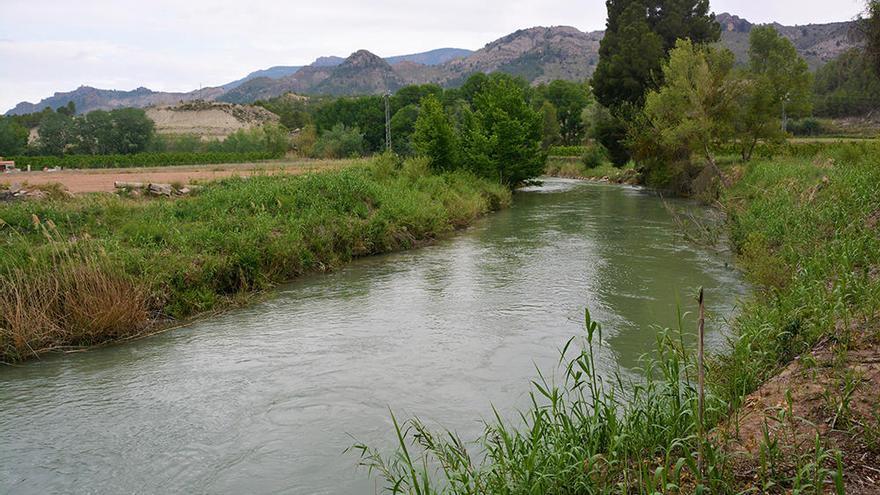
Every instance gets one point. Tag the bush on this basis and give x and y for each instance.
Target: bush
(594, 156)
(339, 142)
(806, 127)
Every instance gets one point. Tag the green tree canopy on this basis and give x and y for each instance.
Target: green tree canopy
(512, 128)
(13, 137)
(778, 81)
(435, 136)
(693, 111)
(569, 100)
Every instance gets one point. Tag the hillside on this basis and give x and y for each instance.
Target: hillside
(208, 120)
(818, 44)
(538, 54)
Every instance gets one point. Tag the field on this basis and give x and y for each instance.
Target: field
(102, 180)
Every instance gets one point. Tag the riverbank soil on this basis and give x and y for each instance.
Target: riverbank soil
(102, 180)
(831, 392)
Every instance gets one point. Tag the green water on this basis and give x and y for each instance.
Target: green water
(265, 399)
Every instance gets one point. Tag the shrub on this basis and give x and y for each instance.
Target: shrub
(339, 142)
(594, 156)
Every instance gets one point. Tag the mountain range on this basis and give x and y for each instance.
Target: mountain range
(538, 54)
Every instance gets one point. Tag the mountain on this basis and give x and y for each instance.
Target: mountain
(433, 57)
(361, 73)
(818, 44)
(87, 99)
(537, 54)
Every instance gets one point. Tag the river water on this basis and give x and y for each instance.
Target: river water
(265, 399)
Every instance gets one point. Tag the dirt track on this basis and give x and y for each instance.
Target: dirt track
(102, 180)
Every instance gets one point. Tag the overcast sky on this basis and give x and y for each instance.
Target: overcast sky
(180, 45)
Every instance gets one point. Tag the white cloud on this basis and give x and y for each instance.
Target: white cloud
(178, 45)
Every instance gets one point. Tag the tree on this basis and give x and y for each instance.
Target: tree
(367, 113)
(847, 86)
(694, 109)
(629, 55)
(13, 137)
(569, 99)
(56, 134)
(870, 31)
(512, 129)
(435, 136)
(132, 130)
(96, 134)
(68, 110)
(777, 84)
(403, 125)
(638, 36)
(552, 135)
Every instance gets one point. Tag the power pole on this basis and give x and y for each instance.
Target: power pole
(387, 121)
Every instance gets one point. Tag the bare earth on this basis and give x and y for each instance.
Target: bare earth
(102, 180)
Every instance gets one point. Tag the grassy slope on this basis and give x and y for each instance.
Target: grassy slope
(98, 268)
(806, 230)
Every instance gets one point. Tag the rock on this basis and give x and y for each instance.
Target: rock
(184, 191)
(15, 187)
(128, 185)
(160, 189)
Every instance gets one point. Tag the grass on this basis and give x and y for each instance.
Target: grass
(68, 266)
(806, 232)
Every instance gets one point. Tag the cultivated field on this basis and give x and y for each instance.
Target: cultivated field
(102, 180)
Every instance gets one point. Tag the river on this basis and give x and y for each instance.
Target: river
(266, 398)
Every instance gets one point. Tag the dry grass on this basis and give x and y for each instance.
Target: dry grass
(83, 301)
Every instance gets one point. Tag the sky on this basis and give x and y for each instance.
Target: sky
(181, 45)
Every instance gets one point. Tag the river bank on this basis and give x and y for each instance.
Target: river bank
(805, 231)
(100, 268)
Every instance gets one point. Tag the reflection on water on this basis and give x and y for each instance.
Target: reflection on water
(265, 399)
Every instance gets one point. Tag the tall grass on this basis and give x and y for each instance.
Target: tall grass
(806, 231)
(200, 253)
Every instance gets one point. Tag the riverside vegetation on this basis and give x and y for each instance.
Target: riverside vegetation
(92, 269)
(805, 230)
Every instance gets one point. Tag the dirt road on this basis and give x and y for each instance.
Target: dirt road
(102, 180)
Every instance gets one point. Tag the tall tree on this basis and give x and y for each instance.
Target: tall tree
(694, 108)
(569, 99)
(552, 135)
(639, 33)
(13, 137)
(512, 129)
(435, 136)
(871, 28)
(778, 84)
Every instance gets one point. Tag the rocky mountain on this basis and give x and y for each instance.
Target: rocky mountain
(87, 98)
(817, 43)
(432, 57)
(538, 54)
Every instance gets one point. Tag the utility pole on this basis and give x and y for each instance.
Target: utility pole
(387, 121)
(784, 116)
